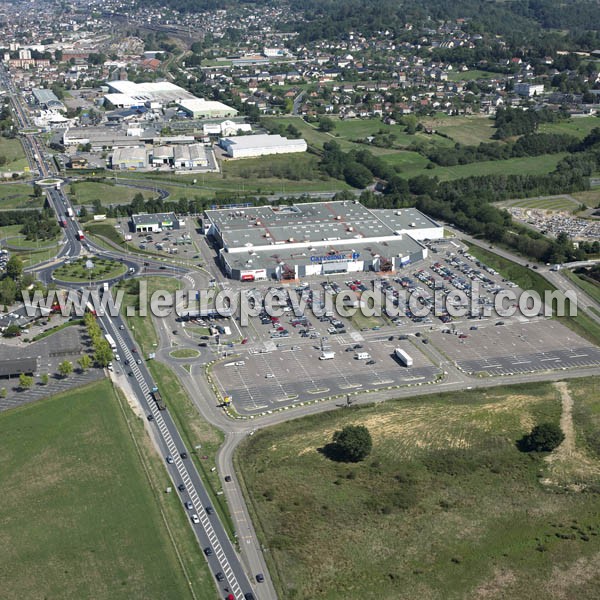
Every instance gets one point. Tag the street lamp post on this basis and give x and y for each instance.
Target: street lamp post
(89, 265)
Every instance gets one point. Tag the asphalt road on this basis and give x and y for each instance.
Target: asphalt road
(209, 531)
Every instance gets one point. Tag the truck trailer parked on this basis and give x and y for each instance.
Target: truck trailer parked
(403, 357)
(327, 355)
(363, 356)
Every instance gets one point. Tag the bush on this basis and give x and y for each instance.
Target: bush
(542, 438)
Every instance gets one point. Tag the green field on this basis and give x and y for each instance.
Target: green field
(83, 512)
(30, 252)
(85, 192)
(591, 198)
(579, 127)
(142, 327)
(412, 164)
(284, 174)
(552, 203)
(590, 286)
(444, 508)
(185, 353)
(103, 269)
(359, 129)
(18, 195)
(470, 131)
(473, 75)
(12, 150)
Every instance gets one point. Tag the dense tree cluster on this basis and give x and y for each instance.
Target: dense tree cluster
(40, 225)
(357, 168)
(533, 144)
(510, 121)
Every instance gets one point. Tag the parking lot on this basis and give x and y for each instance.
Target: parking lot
(260, 380)
(517, 347)
(279, 364)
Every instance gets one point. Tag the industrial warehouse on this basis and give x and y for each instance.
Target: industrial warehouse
(318, 238)
(247, 146)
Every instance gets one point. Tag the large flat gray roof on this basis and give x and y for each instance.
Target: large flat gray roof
(311, 222)
(153, 219)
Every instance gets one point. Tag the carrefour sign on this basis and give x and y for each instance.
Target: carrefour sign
(334, 257)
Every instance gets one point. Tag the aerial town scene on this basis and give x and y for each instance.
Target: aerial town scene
(299, 300)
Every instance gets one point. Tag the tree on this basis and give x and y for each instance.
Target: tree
(353, 443)
(12, 331)
(544, 437)
(103, 353)
(14, 267)
(25, 381)
(85, 362)
(44, 378)
(37, 191)
(357, 175)
(326, 124)
(65, 368)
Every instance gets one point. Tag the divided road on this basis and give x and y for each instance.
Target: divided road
(209, 530)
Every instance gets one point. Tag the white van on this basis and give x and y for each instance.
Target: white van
(363, 356)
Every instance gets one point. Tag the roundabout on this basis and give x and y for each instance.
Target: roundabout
(85, 270)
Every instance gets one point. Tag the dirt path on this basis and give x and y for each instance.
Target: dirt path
(567, 448)
(569, 466)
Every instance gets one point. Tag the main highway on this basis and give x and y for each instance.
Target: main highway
(209, 530)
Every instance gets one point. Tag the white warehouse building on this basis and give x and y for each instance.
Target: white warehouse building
(246, 146)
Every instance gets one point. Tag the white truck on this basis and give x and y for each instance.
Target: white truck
(403, 357)
(363, 356)
(327, 355)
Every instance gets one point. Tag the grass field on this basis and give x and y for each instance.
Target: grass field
(445, 507)
(264, 176)
(12, 150)
(552, 203)
(88, 191)
(590, 198)
(30, 252)
(472, 75)
(104, 268)
(470, 131)
(412, 164)
(18, 195)
(579, 127)
(185, 353)
(359, 129)
(80, 515)
(528, 279)
(143, 329)
(587, 284)
(360, 321)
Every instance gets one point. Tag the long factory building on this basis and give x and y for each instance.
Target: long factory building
(317, 238)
